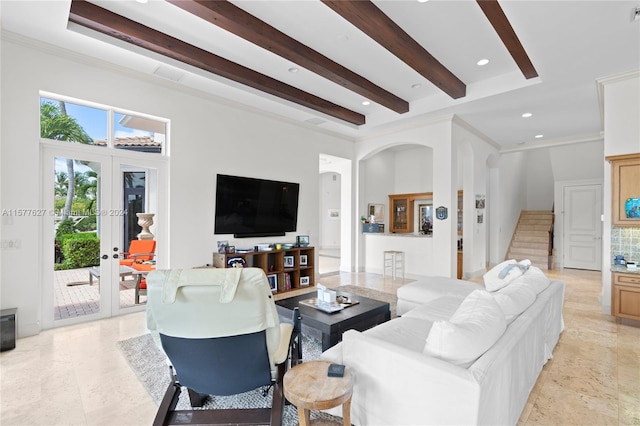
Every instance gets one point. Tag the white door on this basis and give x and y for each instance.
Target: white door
(582, 227)
(86, 282)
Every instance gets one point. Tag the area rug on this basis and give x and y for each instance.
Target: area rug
(390, 298)
(150, 364)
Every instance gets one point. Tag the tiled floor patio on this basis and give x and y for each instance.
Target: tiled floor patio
(80, 298)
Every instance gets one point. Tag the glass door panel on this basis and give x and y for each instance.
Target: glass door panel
(77, 238)
(137, 185)
(76, 243)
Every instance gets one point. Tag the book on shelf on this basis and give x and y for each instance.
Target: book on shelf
(287, 281)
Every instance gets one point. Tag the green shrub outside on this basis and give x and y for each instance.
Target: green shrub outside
(65, 227)
(80, 250)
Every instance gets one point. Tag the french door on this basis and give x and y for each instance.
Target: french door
(83, 242)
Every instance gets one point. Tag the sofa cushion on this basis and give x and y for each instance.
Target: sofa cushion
(425, 290)
(514, 299)
(475, 326)
(503, 273)
(437, 309)
(409, 333)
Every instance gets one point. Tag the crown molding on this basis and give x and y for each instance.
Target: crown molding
(554, 143)
(613, 78)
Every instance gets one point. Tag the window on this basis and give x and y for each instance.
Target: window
(74, 121)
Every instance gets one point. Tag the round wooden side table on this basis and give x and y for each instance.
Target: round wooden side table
(308, 387)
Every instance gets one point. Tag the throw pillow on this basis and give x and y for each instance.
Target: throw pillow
(475, 326)
(514, 299)
(503, 273)
(535, 279)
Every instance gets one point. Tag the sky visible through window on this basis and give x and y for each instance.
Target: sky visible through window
(94, 121)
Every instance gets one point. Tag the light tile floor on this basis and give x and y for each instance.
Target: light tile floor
(76, 374)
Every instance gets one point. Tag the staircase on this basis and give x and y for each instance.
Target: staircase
(533, 238)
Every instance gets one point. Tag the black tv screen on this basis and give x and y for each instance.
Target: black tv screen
(249, 207)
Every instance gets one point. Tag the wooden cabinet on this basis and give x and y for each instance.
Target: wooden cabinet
(293, 268)
(400, 213)
(625, 190)
(401, 210)
(402, 206)
(625, 295)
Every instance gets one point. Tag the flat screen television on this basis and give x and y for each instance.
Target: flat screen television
(249, 207)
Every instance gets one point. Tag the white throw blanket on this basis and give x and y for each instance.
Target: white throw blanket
(227, 279)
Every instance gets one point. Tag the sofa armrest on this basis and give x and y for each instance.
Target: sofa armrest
(394, 385)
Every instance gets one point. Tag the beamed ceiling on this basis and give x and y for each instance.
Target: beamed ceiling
(362, 14)
(320, 61)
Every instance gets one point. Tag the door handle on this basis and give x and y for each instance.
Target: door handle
(105, 256)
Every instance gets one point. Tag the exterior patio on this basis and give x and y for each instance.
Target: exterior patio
(74, 297)
(79, 298)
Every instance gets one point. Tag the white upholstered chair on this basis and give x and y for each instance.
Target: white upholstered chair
(222, 335)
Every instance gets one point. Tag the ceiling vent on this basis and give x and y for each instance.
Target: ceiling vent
(169, 73)
(316, 121)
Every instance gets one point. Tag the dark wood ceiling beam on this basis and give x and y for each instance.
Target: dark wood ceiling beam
(373, 22)
(98, 19)
(237, 21)
(501, 24)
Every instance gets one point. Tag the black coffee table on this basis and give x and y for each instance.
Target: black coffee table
(362, 316)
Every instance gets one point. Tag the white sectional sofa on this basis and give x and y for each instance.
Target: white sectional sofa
(430, 367)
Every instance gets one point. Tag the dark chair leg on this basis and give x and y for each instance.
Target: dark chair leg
(296, 338)
(169, 402)
(197, 399)
(277, 404)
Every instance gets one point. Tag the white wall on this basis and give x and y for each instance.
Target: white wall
(582, 161)
(378, 182)
(329, 199)
(539, 180)
(208, 136)
(474, 151)
(442, 136)
(621, 136)
(413, 170)
(511, 197)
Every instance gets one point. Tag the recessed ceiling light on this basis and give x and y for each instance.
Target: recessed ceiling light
(142, 1)
(483, 62)
(293, 69)
(539, 136)
(422, 1)
(527, 115)
(365, 103)
(416, 86)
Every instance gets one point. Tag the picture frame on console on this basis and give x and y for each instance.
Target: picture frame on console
(304, 281)
(273, 282)
(303, 260)
(377, 211)
(288, 262)
(302, 240)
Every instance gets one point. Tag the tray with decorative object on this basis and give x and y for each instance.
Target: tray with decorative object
(330, 307)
